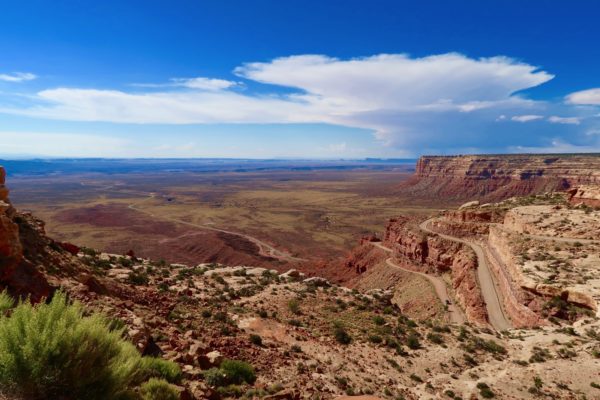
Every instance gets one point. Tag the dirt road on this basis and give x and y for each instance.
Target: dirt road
(486, 279)
(265, 249)
(455, 313)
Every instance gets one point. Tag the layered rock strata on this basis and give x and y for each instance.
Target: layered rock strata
(586, 194)
(495, 177)
(433, 254)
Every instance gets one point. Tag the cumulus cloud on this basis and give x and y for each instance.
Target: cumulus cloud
(398, 82)
(409, 103)
(585, 97)
(327, 89)
(17, 77)
(526, 118)
(564, 120)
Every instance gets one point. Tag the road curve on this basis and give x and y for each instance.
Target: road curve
(485, 276)
(455, 313)
(265, 249)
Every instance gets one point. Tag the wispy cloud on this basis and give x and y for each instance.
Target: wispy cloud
(527, 118)
(199, 83)
(17, 77)
(564, 120)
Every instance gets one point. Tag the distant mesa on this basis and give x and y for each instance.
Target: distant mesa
(497, 177)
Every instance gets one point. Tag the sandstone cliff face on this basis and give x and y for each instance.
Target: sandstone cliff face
(471, 222)
(18, 273)
(521, 304)
(496, 177)
(586, 194)
(434, 254)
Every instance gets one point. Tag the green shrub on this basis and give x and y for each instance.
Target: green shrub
(341, 335)
(485, 391)
(238, 372)
(231, 372)
(6, 302)
(54, 351)
(294, 306)
(256, 339)
(412, 341)
(435, 338)
(138, 278)
(158, 389)
(152, 367)
(375, 339)
(214, 377)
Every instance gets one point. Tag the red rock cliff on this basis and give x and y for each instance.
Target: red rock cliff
(495, 177)
(22, 246)
(433, 254)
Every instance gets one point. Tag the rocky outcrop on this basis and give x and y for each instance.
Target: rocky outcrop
(469, 222)
(363, 257)
(18, 274)
(586, 194)
(433, 254)
(519, 303)
(495, 177)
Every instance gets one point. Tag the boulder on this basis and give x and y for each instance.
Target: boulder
(317, 281)
(93, 284)
(292, 274)
(470, 204)
(209, 360)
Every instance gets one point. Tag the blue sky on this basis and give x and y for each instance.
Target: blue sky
(314, 79)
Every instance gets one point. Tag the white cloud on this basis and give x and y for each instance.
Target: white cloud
(585, 97)
(204, 83)
(526, 118)
(405, 101)
(199, 83)
(564, 120)
(164, 107)
(398, 82)
(17, 77)
(329, 90)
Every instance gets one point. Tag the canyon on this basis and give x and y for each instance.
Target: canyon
(405, 318)
(518, 263)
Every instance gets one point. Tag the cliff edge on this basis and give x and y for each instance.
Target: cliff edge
(497, 177)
